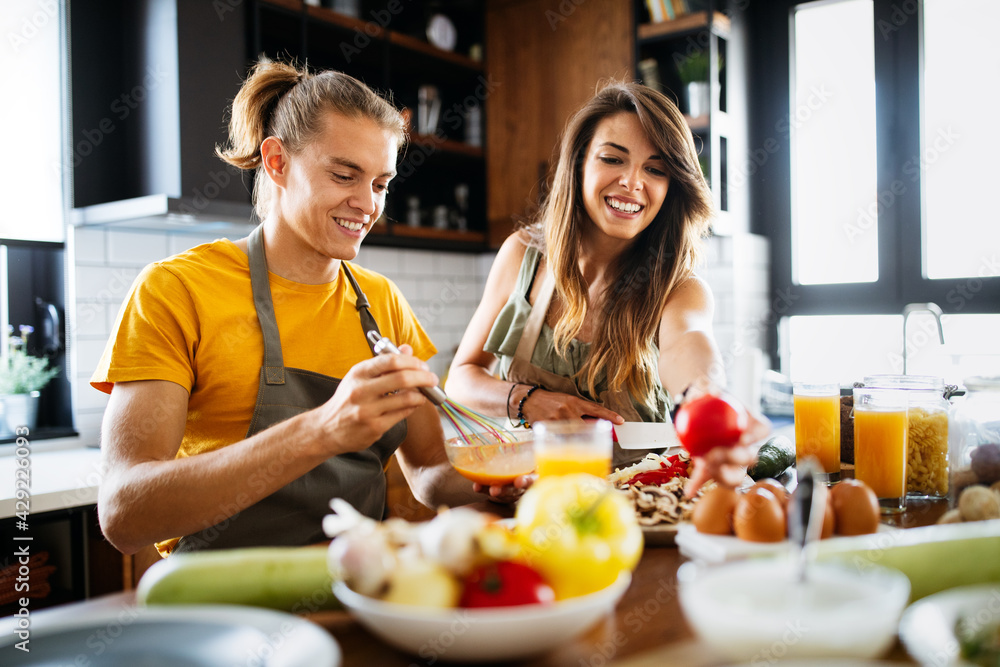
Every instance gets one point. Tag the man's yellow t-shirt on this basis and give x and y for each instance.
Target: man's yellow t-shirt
(190, 319)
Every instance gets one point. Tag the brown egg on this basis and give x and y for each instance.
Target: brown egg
(855, 508)
(759, 517)
(713, 513)
(828, 514)
(775, 487)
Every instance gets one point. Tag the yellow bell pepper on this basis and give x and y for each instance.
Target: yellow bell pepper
(578, 532)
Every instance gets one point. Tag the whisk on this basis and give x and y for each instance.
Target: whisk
(468, 423)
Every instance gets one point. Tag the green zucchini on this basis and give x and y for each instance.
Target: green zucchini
(293, 579)
(934, 558)
(773, 458)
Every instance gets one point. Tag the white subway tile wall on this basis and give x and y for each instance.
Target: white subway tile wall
(443, 288)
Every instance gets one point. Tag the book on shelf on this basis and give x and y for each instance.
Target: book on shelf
(649, 71)
(681, 7)
(660, 10)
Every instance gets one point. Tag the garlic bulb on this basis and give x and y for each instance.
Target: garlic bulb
(451, 539)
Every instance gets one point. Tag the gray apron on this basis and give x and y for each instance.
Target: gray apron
(522, 370)
(293, 515)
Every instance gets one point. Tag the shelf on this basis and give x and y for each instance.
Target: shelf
(369, 28)
(375, 31)
(447, 145)
(420, 46)
(683, 25)
(698, 125)
(290, 5)
(438, 234)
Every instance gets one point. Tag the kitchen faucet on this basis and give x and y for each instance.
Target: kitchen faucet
(931, 308)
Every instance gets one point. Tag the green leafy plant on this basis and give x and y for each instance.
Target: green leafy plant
(21, 373)
(693, 66)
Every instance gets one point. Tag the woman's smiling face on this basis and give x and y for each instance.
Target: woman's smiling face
(624, 178)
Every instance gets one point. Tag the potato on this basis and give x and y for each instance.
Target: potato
(978, 503)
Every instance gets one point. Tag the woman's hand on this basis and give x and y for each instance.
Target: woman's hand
(728, 465)
(545, 405)
(507, 494)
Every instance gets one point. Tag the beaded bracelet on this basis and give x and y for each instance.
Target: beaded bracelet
(521, 421)
(509, 394)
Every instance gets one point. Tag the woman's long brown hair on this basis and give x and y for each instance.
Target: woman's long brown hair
(660, 258)
(287, 102)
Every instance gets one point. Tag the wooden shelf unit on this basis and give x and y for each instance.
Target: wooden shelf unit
(694, 22)
(385, 51)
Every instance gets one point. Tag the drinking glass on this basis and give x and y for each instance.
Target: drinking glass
(880, 429)
(817, 426)
(565, 447)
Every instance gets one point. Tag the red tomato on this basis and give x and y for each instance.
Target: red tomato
(505, 584)
(709, 421)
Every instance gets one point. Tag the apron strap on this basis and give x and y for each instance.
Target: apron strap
(368, 322)
(536, 318)
(274, 366)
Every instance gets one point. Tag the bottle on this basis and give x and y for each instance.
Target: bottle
(927, 462)
(974, 435)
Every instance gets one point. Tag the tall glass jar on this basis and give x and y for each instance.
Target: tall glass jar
(927, 431)
(974, 427)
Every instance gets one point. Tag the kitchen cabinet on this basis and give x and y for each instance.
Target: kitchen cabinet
(663, 49)
(443, 172)
(545, 59)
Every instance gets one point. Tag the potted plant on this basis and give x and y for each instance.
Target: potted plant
(693, 72)
(22, 377)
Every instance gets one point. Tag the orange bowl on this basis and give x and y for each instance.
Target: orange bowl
(483, 458)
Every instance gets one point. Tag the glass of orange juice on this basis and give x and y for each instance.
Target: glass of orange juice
(880, 428)
(564, 447)
(817, 426)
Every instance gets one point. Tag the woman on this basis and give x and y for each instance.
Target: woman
(244, 395)
(595, 310)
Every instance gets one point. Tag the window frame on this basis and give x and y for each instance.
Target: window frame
(898, 75)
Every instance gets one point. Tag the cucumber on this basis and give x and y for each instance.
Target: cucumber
(773, 458)
(934, 558)
(293, 579)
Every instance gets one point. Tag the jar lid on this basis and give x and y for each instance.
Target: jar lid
(905, 382)
(982, 383)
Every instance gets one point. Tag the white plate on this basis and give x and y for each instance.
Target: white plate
(481, 635)
(647, 435)
(209, 635)
(927, 628)
(722, 548)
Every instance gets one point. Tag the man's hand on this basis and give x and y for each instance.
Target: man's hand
(373, 396)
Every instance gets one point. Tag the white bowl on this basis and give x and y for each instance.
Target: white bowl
(756, 611)
(927, 628)
(481, 635)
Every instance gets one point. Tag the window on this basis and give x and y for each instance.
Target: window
(31, 59)
(961, 139)
(834, 226)
(891, 181)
